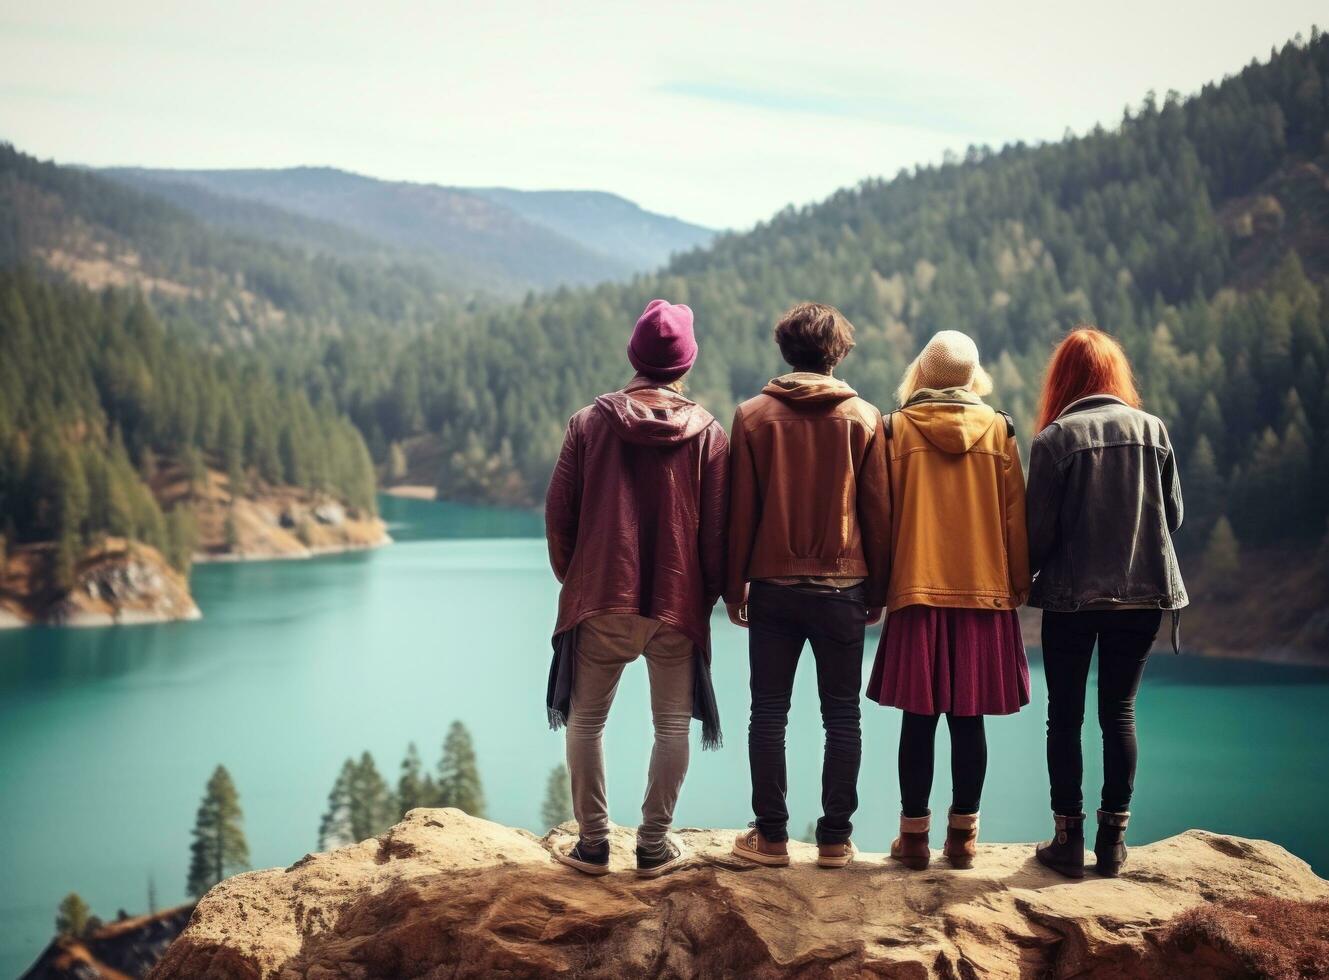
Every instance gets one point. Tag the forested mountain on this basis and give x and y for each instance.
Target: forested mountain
(226, 286)
(96, 395)
(512, 239)
(1197, 231)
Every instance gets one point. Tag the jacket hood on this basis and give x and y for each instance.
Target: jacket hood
(653, 416)
(952, 419)
(804, 388)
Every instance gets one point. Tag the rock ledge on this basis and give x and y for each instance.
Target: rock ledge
(444, 894)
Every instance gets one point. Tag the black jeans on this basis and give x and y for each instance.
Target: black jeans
(1124, 639)
(969, 762)
(780, 620)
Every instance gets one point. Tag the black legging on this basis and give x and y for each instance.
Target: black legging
(1124, 638)
(969, 762)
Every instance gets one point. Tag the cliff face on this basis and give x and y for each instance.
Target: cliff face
(117, 581)
(444, 894)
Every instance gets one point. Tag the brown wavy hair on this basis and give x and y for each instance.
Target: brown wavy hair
(814, 337)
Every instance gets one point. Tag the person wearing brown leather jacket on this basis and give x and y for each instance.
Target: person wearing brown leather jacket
(809, 558)
(635, 521)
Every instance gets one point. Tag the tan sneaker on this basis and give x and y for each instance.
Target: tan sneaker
(754, 847)
(835, 855)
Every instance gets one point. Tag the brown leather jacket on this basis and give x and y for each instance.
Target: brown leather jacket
(635, 512)
(808, 487)
(956, 505)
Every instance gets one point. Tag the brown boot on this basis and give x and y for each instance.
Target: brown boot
(1110, 844)
(911, 847)
(961, 839)
(752, 845)
(1064, 854)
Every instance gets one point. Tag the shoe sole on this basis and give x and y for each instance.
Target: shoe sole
(665, 868)
(960, 863)
(913, 863)
(594, 870)
(838, 862)
(769, 860)
(1065, 872)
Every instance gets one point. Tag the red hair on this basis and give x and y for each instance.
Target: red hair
(1086, 362)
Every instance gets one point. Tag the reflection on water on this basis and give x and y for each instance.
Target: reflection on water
(108, 735)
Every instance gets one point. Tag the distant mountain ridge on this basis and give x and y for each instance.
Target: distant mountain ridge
(605, 223)
(530, 239)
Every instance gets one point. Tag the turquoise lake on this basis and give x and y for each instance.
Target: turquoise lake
(107, 736)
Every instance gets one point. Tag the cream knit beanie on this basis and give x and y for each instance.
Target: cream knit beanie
(950, 360)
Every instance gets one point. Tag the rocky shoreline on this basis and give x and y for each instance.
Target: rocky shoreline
(302, 555)
(117, 583)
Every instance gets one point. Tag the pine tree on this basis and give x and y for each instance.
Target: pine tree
(396, 462)
(335, 829)
(414, 786)
(71, 918)
(1222, 559)
(557, 807)
(1204, 491)
(230, 534)
(67, 552)
(152, 895)
(458, 774)
(181, 537)
(232, 438)
(196, 470)
(148, 465)
(219, 846)
(373, 809)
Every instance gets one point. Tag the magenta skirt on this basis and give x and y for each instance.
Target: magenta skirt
(933, 660)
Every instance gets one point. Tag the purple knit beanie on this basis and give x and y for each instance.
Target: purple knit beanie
(662, 345)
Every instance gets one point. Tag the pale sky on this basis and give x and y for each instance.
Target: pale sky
(717, 113)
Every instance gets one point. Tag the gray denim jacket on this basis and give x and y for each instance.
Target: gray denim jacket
(1103, 501)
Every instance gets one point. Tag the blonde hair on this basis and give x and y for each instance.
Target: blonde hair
(679, 385)
(980, 385)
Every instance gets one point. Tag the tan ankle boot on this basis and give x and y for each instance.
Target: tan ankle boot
(961, 839)
(911, 847)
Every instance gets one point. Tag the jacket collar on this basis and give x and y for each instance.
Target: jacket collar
(1092, 401)
(640, 382)
(962, 396)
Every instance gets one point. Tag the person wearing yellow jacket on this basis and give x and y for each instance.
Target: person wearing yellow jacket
(959, 570)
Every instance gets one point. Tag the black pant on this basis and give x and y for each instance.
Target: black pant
(969, 762)
(781, 619)
(1124, 639)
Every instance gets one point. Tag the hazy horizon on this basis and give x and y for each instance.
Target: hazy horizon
(714, 116)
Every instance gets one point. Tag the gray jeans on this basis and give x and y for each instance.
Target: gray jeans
(605, 645)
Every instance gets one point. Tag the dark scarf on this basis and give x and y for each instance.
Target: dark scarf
(558, 695)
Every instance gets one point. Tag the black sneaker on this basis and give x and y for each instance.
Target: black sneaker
(591, 859)
(656, 861)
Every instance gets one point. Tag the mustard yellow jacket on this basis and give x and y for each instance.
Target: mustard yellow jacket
(956, 503)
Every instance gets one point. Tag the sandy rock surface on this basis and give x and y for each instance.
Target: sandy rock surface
(447, 895)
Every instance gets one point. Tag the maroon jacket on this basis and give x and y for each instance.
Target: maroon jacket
(635, 517)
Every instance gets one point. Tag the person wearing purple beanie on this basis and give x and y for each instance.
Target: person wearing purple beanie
(635, 519)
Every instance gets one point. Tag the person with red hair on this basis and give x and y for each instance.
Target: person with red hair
(1104, 500)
